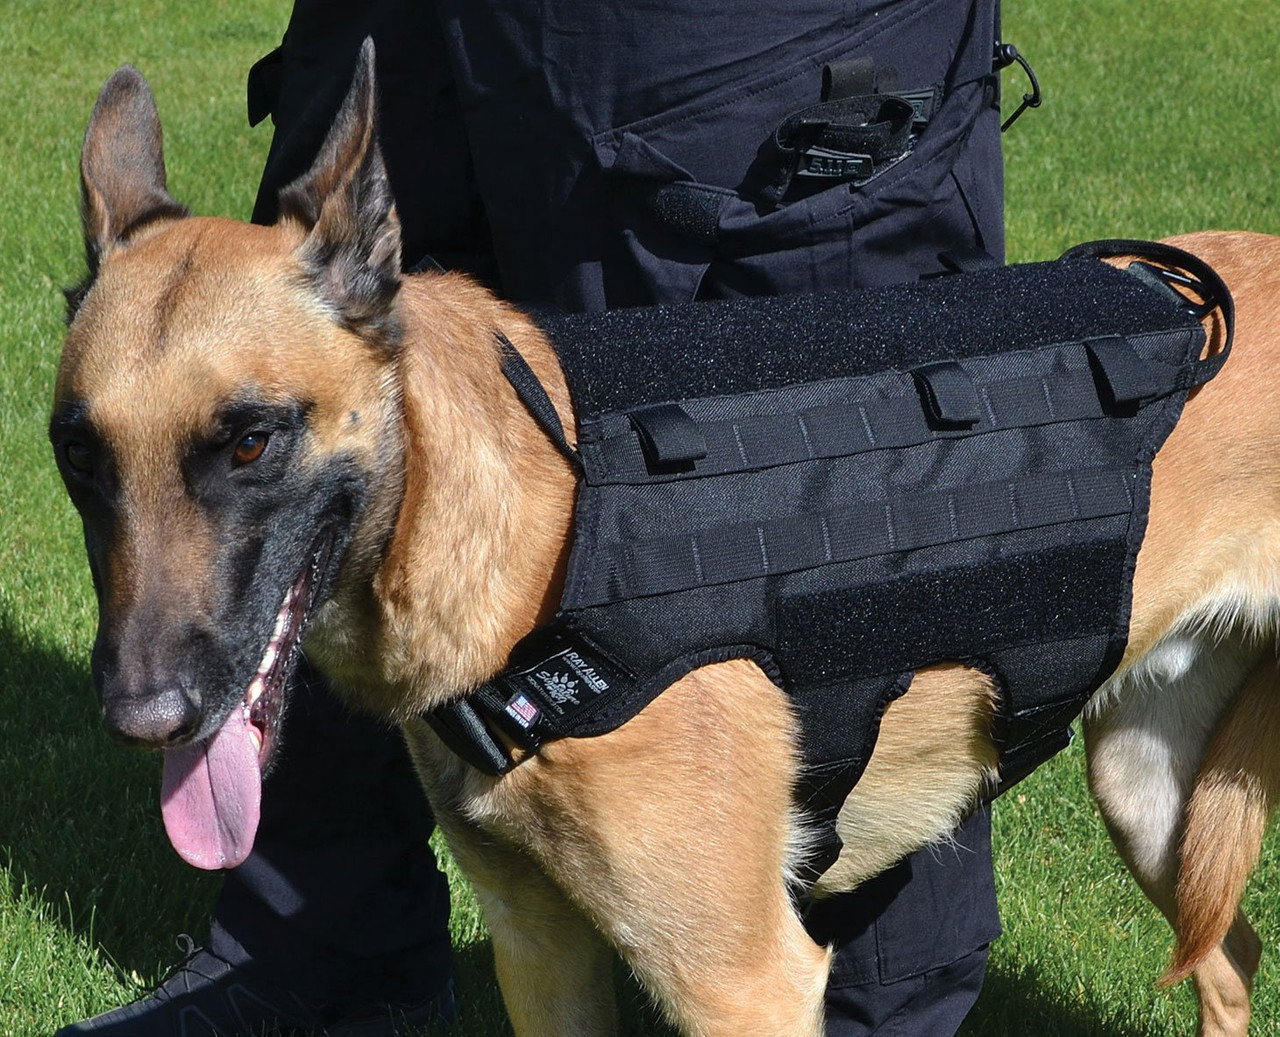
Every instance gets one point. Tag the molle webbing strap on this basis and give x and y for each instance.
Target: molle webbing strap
(843, 419)
(791, 543)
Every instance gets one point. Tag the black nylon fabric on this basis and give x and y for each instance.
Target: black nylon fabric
(528, 141)
(967, 479)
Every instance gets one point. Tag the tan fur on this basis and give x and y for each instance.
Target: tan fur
(672, 838)
(939, 736)
(1234, 797)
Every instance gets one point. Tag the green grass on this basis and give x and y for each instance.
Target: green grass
(1158, 118)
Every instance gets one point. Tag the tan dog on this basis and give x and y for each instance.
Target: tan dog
(266, 428)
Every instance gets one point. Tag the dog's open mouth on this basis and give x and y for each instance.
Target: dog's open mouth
(212, 789)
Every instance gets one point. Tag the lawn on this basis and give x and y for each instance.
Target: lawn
(1158, 118)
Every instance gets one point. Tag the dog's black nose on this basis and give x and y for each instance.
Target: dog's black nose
(160, 720)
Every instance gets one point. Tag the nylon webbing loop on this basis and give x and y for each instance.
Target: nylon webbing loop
(535, 398)
(1127, 377)
(949, 396)
(670, 439)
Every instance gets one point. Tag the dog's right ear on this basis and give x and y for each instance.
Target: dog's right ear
(122, 178)
(344, 203)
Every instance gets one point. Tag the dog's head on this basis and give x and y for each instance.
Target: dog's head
(227, 424)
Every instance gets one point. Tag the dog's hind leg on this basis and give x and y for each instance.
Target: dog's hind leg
(1147, 734)
(1235, 795)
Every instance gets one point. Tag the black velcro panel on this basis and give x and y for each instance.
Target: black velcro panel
(621, 359)
(914, 621)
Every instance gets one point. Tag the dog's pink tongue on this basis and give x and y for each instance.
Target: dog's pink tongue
(211, 796)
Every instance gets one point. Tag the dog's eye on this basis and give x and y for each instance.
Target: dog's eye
(249, 448)
(79, 458)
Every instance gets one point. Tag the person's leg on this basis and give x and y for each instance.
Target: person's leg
(341, 897)
(655, 180)
(302, 83)
(656, 177)
(911, 944)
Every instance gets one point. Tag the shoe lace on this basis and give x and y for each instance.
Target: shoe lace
(177, 979)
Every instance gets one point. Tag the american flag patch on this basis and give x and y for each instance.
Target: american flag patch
(522, 711)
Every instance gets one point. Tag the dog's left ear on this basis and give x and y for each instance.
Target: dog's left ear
(344, 202)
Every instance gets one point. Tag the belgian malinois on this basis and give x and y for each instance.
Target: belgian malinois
(269, 431)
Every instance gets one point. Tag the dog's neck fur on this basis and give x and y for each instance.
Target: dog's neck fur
(477, 554)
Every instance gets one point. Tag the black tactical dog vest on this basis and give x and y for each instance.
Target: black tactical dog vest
(846, 487)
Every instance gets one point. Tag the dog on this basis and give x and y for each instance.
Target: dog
(269, 431)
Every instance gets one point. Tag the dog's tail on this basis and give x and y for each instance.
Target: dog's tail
(1234, 796)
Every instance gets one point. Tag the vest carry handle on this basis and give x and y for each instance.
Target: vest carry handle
(1178, 269)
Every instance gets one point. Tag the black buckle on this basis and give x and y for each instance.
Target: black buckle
(923, 103)
(462, 728)
(852, 138)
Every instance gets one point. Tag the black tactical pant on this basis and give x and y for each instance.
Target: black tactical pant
(590, 155)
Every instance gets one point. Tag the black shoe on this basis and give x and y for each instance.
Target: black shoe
(207, 996)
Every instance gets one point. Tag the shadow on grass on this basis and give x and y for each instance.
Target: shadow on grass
(79, 818)
(1013, 1004)
(481, 1014)
(1017, 1002)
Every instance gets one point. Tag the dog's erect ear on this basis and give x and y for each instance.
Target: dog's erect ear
(122, 178)
(352, 248)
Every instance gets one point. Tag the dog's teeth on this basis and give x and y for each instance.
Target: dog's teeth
(256, 735)
(256, 688)
(268, 659)
(279, 627)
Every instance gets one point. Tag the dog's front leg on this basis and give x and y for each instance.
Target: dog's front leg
(554, 968)
(674, 834)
